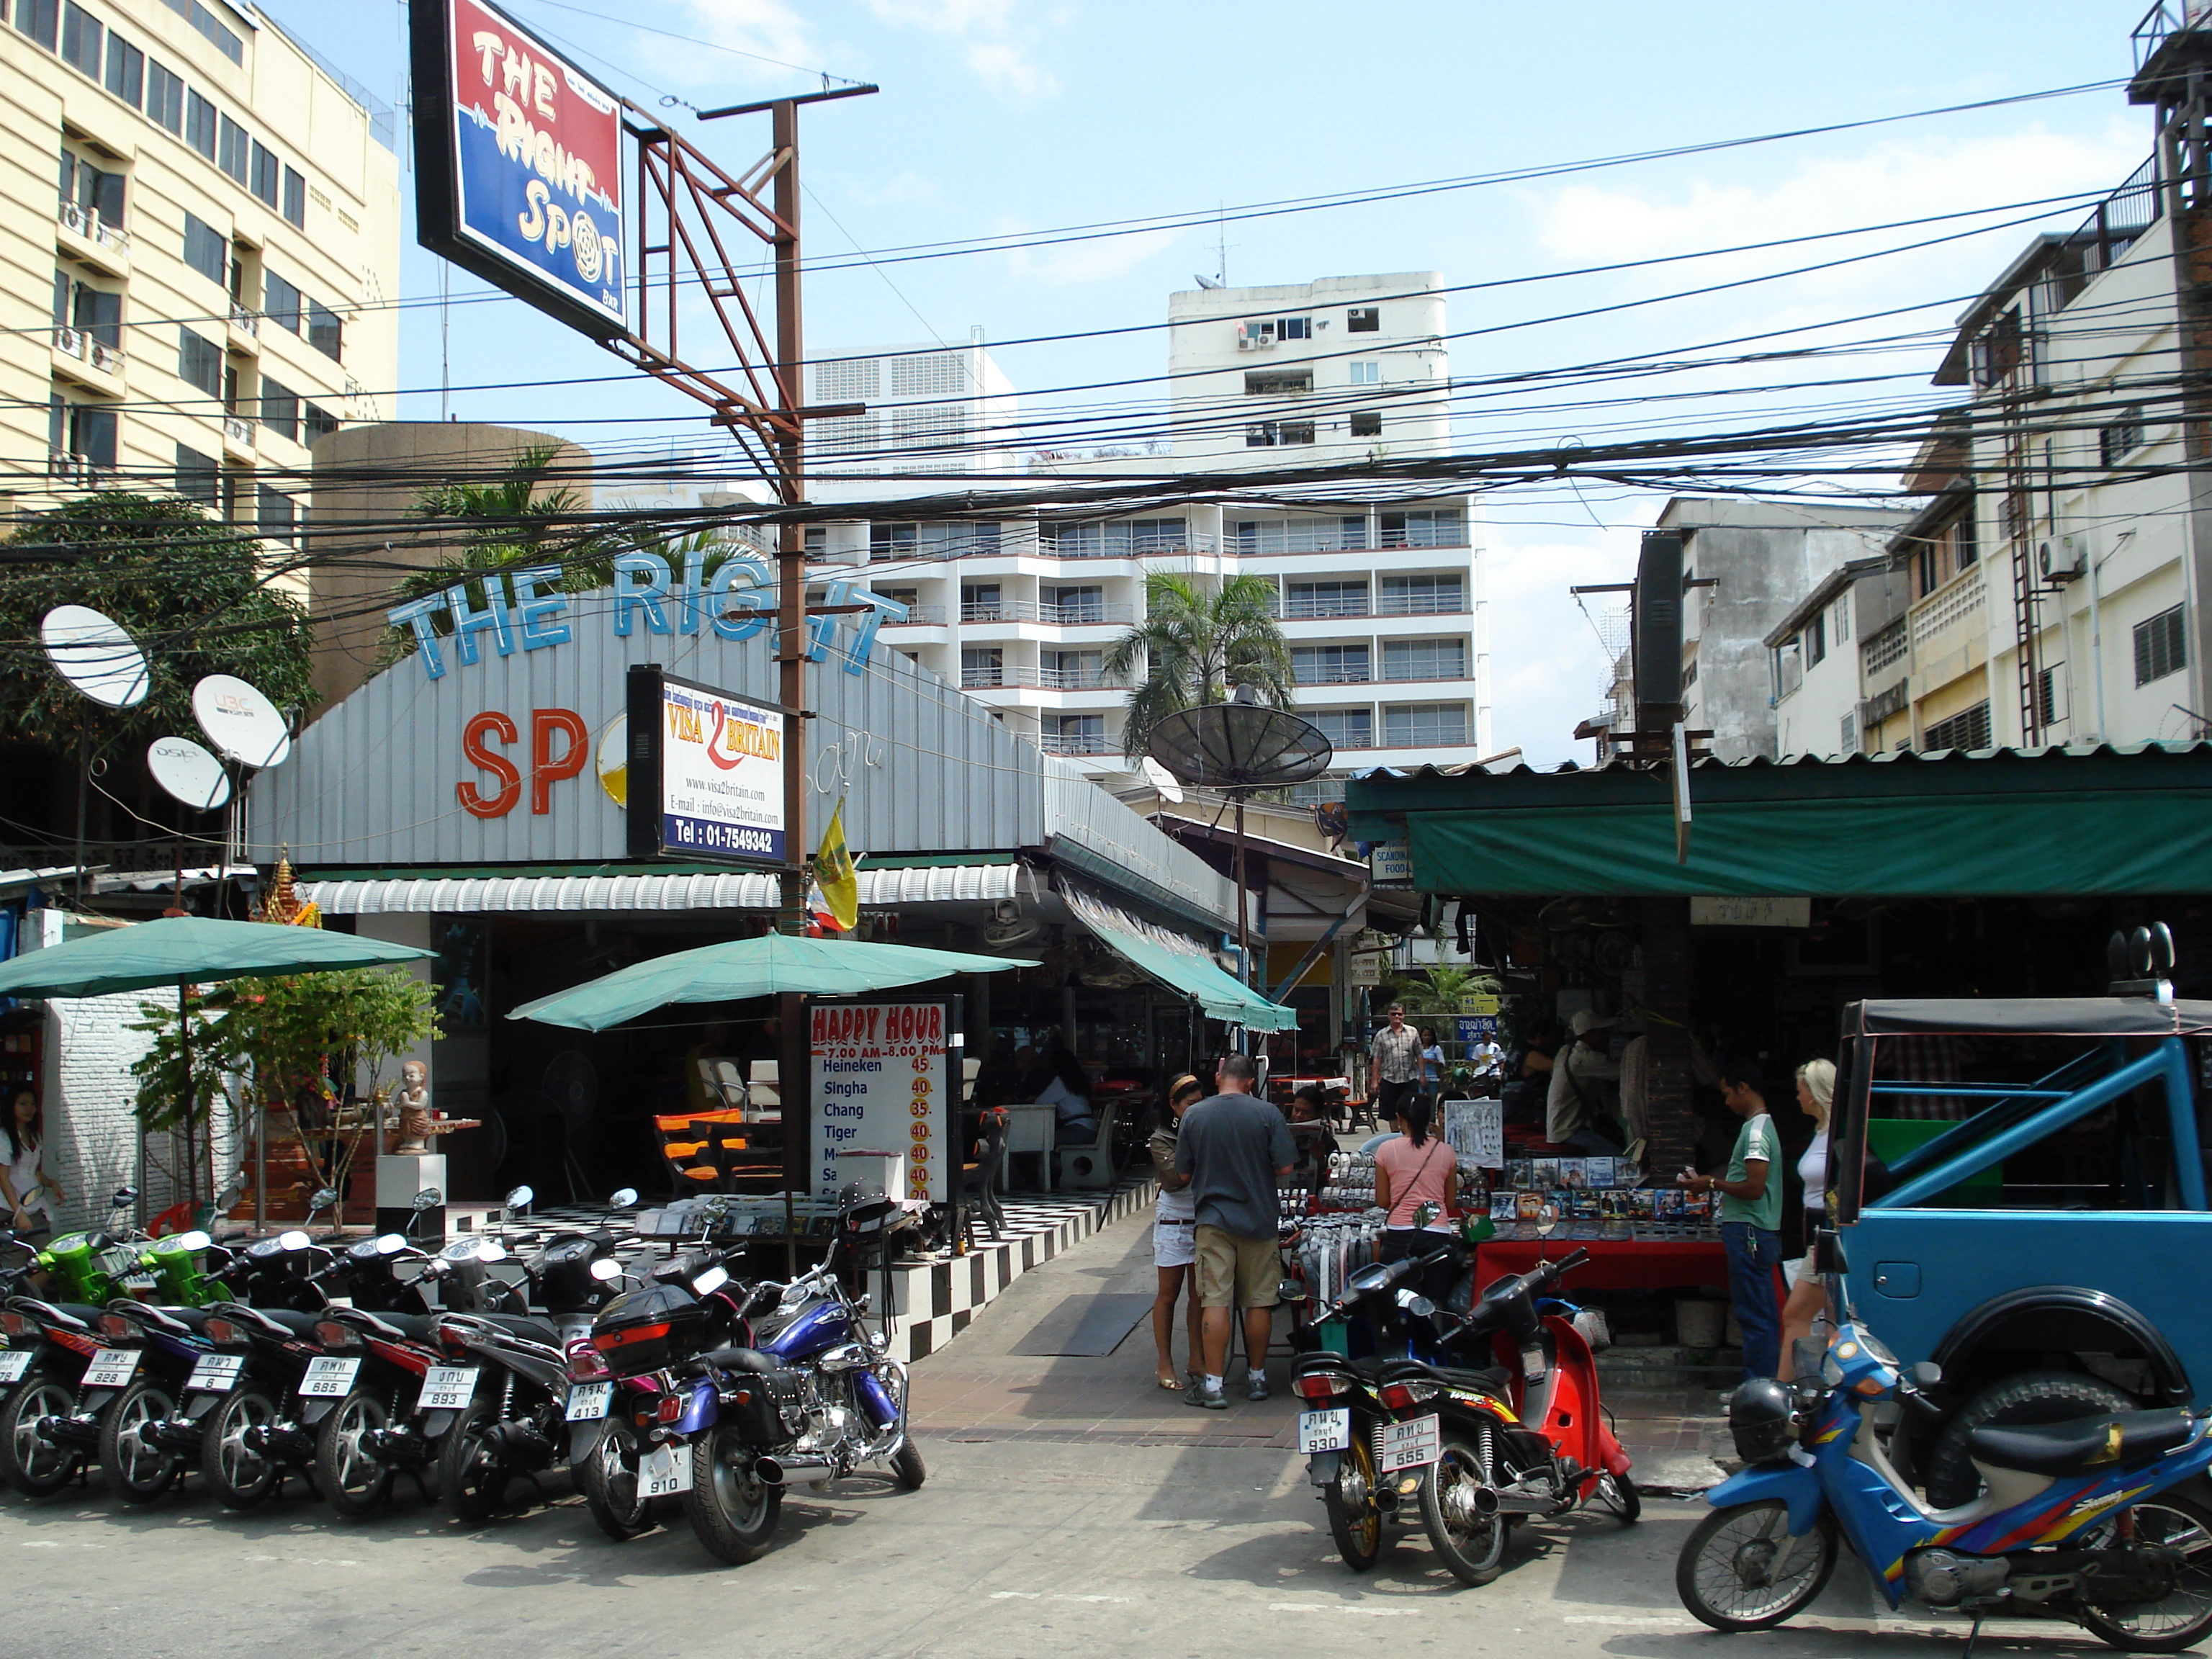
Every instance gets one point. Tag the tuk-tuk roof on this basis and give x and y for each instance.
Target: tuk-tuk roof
(2136, 1017)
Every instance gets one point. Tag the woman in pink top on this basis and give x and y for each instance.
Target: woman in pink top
(1416, 1168)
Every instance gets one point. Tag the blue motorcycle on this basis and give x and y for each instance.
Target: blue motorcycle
(2077, 1520)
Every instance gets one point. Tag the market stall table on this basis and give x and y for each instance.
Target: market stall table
(1615, 1264)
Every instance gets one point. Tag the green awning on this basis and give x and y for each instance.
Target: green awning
(1998, 823)
(1220, 996)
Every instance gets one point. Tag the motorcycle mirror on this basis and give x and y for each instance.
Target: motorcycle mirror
(1413, 1303)
(124, 1198)
(606, 1267)
(229, 1197)
(429, 1199)
(1828, 1252)
(520, 1198)
(292, 1240)
(622, 1198)
(1927, 1374)
(1547, 1220)
(390, 1243)
(710, 1281)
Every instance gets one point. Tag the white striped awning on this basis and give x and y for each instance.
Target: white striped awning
(464, 896)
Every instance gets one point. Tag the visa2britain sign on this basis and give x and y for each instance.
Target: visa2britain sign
(518, 164)
(705, 772)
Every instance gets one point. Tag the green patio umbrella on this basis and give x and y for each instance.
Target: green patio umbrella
(184, 951)
(765, 966)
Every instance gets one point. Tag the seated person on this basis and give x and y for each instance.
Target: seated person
(1067, 1091)
(1309, 1134)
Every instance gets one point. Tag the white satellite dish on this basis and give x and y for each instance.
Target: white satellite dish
(189, 773)
(242, 724)
(1161, 778)
(93, 653)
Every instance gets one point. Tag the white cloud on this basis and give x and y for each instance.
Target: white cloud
(761, 29)
(1000, 60)
(1096, 261)
(1008, 71)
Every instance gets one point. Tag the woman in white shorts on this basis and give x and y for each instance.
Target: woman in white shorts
(1175, 1225)
(1809, 1297)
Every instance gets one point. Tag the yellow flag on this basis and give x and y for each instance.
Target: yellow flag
(835, 875)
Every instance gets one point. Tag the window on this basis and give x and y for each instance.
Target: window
(1840, 625)
(280, 300)
(982, 602)
(2048, 702)
(280, 408)
(2160, 647)
(2121, 437)
(233, 153)
(1345, 728)
(1816, 639)
(1298, 535)
(41, 19)
(208, 24)
(84, 432)
(1117, 538)
(1364, 319)
(199, 124)
(1073, 734)
(1074, 605)
(207, 250)
(1427, 527)
(199, 362)
(165, 98)
(1965, 549)
(1423, 596)
(316, 421)
(196, 476)
(1425, 660)
(324, 331)
(1325, 599)
(83, 40)
(1366, 374)
(1423, 725)
(1331, 664)
(126, 71)
(1074, 671)
(1273, 435)
(265, 175)
(295, 197)
(1969, 729)
(274, 513)
(97, 192)
(89, 310)
(1847, 736)
(1277, 382)
(1366, 423)
(982, 666)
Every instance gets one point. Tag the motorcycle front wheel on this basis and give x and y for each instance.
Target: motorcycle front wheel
(2183, 1617)
(349, 1475)
(1617, 1493)
(474, 1481)
(731, 1509)
(241, 1476)
(907, 1468)
(1353, 1521)
(35, 1466)
(1741, 1569)
(139, 1470)
(1471, 1543)
(609, 1478)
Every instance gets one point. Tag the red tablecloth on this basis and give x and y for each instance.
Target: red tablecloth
(1615, 1264)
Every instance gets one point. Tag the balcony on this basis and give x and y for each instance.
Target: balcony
(1421, 605)
(83, 358)
(1949, 631)
(918, 616)
(1087, 544)
(245, 328)
(1885, 647)
(1308, 610)
(1081, 743)
(1054, 615)
(1040, 679)
(64, 468)
(87, 237)
(1345, 674)
(238, 437)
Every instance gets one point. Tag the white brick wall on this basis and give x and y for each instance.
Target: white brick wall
(91, 1135)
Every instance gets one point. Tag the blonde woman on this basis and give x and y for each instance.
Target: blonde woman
(1809, 1297)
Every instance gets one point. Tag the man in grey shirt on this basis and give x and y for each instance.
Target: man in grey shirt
(1234, 1148)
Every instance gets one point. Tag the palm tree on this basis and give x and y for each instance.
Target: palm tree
(1197, 645)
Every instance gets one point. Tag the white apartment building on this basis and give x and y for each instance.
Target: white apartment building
(204, 292)
(931, 409)
(1381, 600)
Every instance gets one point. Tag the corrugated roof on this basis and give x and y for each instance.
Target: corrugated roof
(748, 889)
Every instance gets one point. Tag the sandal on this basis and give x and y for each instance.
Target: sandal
(1168, 1383)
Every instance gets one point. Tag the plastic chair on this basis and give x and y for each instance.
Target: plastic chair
(1088, 1164)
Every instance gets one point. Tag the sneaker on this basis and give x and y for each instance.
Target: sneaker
(1205, 1399)
(1259, 1390)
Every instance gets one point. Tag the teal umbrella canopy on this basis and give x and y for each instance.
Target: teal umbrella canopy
(189, 951)
(759, 967)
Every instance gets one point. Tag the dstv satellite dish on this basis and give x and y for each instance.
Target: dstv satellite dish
(188, 772)
(1161, 778)
(94, 654)
(243, 725)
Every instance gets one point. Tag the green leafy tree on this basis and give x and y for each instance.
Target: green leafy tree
(1196, 645)
(198, 595)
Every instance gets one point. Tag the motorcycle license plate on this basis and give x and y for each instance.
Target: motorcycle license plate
(447, 1388)
(216, 1373)
(1411, 1446)
(1323, 1432)
(14, 1364)
(588, 1402)
(329, 1378)
(663, 1472)
(112, 1367)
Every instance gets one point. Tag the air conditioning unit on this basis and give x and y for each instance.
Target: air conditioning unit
(1254, 337)
(2063, 558)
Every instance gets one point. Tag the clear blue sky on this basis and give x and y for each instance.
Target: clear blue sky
(1013, 115)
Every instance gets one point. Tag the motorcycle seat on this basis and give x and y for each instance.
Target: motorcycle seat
(529, 1327)
(280, 1322)
(2081, 1443)
(740, 1359)
(176, 1320)
(390, 1326)
(71, 1315)
(1490, 1379)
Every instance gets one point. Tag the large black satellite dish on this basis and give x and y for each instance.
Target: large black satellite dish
(1239, 745)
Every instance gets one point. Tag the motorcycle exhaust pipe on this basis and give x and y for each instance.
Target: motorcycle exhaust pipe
(1488, 1500)
(776, 1472)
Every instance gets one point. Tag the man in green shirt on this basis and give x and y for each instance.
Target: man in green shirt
(1751, 1215)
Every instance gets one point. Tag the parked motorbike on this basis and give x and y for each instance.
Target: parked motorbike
(92, 1268)
(2078, 1520)
(252, 1428)
(360, 1396)
(96, 1383)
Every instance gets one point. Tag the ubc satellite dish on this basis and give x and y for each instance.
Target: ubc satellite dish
(188, 772)
(1161, 778)
(243, 725)
(93, 653)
